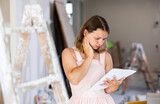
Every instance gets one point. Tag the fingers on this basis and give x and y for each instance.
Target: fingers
(105, 83)
(121, 80)
(108, 80)
(85, 43)
(113, 85)
(114, 78)
(114, 82)
(87, 48)
(108, 90)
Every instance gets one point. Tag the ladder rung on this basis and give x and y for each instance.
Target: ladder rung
(21, 88)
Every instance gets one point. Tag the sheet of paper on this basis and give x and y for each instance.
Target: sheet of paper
(119, 73)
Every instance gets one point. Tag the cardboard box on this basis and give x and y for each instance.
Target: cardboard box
(153, 98)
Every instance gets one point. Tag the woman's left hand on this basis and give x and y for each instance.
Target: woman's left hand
(113, 85)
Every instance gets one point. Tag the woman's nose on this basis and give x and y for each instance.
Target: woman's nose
(101, 42)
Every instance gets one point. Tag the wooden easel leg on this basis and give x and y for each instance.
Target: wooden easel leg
(59, 92)
(42, 37)
(145, 79)
(119, 54)
(149, 73)
(143, 72)
(151, 78)
(127, 80)
(20, 58)
(125, 85)
(46, 52)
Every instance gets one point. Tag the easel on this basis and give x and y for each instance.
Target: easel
(139, 53)
(116, 54)
(11, 80)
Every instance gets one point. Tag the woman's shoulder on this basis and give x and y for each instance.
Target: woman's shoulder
(68, 51)
(106, 53)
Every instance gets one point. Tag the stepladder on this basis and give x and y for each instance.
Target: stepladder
(137, 53)
(33, 21)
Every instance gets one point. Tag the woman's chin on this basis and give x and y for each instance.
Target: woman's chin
(96, 48)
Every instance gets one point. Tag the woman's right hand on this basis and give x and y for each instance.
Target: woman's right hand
(87, 48)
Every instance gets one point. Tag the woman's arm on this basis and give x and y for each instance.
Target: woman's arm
(113, 85)
(108, 62)
(74, 72)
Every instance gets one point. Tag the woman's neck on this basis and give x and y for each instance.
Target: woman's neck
(96, 55)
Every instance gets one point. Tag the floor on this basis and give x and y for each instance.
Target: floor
(136, 87)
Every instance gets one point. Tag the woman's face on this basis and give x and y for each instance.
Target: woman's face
(96, 38)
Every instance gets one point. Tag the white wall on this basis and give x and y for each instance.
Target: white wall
(130, 21)
(4, 5)
(76, 15)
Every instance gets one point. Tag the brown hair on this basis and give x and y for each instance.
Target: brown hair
(92, 24)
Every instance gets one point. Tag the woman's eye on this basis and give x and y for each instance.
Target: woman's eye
(97, 38)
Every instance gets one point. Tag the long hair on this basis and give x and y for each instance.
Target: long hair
(92, 24)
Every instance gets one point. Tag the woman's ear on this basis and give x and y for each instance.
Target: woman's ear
(85, 33)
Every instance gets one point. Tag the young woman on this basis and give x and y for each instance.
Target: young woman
(89, 61)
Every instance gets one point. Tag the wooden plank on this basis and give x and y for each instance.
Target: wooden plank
(53, 67)
(5, 70)
(64, 34)
(21, 88)
(137, 102)
(46, 52)
(67, 29)
(20, 58)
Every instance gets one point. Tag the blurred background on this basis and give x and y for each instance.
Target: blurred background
(130, 21)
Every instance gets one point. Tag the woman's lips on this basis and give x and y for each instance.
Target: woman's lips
(97, 46)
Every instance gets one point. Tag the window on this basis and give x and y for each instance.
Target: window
(69, 10)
